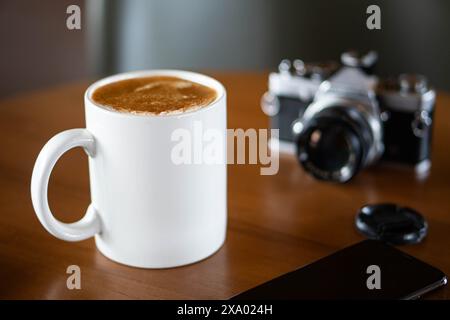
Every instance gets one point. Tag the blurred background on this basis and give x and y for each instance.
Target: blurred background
(37, 50)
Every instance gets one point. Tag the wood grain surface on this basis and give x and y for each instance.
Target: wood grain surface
(276, 223)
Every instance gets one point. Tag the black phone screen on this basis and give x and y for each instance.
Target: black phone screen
(367, 270)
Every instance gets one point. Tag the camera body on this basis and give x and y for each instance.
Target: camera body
(340, 118)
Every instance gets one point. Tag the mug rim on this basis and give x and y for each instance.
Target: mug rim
(186, 75)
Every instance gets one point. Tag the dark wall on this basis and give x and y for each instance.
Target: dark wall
(36, 48)
(257, 34)
(414, 36)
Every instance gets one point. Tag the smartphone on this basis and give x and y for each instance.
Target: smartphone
(367, 270)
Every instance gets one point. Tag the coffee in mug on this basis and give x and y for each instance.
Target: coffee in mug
(155, 95)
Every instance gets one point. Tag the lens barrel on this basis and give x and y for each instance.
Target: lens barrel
(334, 144)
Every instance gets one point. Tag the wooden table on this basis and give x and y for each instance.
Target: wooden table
(276, 223)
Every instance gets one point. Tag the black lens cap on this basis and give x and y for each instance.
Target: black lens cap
(391, 223)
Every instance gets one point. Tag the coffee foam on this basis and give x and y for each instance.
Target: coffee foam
(150, 113)
(156, 95)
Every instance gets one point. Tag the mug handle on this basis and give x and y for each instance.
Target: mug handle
(90, 224)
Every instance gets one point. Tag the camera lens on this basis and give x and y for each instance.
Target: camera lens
(333, 145)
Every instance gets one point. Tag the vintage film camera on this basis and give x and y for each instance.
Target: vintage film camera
(339, 119)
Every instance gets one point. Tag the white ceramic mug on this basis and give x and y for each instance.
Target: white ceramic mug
(146, 211)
